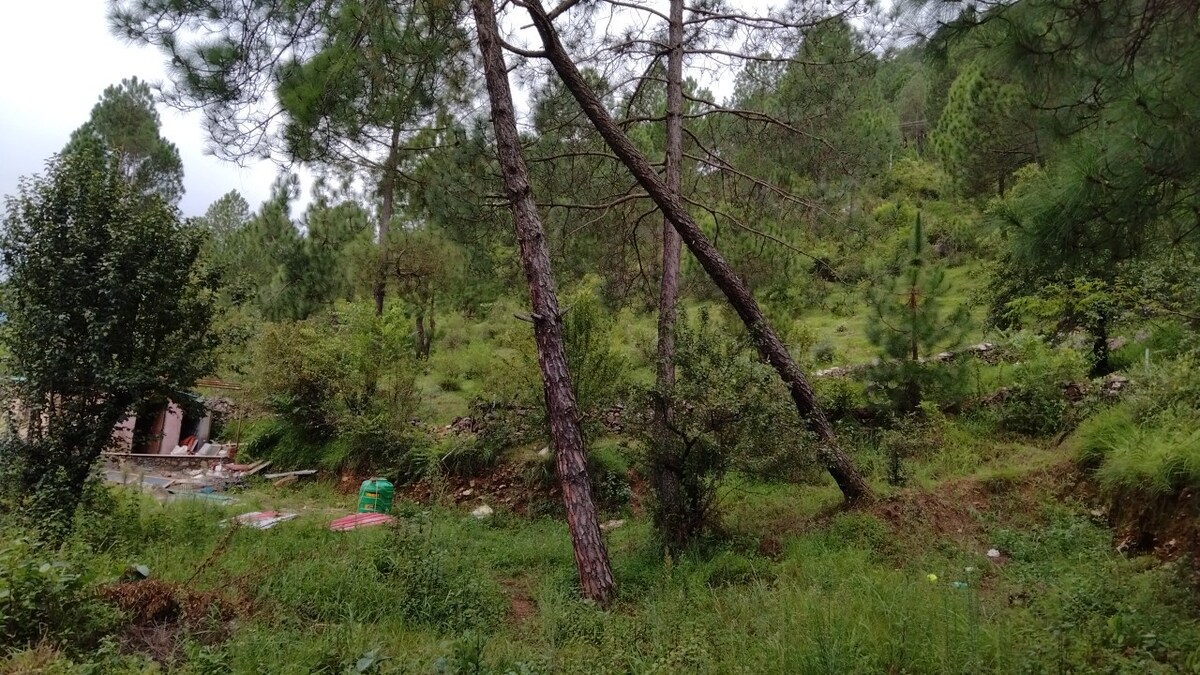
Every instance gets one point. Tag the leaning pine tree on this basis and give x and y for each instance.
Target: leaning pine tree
(908, 324)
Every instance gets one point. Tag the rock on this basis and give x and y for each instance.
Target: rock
(1116, 343)
(611, 525)
(544, 453)
(482, 512)
(1114, 384)
(993, 553)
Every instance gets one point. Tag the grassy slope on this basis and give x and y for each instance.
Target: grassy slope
(795, 587)
(467, 352)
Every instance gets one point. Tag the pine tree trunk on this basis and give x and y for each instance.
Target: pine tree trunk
(835, 460)
(1100, 360)
(422, 338)
(591, 557)
(666, 471)
(387, 191)
(432, 326)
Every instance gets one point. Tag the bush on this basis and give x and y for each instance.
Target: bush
(1036, 404)
(824, 353)
(44, 597)
(599, 372)
(456, 455)
(342, 388)
(514, 407)
(839, 396)
(730, 411)
(609, 472)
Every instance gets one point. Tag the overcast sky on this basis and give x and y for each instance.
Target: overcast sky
(58, 56)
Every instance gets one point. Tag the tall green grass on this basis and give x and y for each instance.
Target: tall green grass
(1155, 458)
(847, 593)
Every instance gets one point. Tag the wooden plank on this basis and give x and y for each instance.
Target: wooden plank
(302, 472)
(255, 468)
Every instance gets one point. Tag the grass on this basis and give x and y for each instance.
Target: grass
(475, 357)
(793, 584)
(833, 592)
(1153, 459)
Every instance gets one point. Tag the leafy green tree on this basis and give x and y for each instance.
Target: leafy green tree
(361, 104)
(451, 191)
(341, 387)
(355, 83)
(425, 267)
(1112, 85)
(106, 307)
(224, 219)
(909, 324)
(126, 122)
(293, 269)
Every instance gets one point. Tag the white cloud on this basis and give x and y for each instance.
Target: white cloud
(57, 59)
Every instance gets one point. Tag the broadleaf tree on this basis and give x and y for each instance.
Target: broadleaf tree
(106, 306)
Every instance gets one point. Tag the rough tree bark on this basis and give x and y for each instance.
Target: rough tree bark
(772, 350)
(387, 190)
(666, 471)
(591, 557)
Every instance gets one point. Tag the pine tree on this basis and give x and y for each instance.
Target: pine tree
(1122, 184)
(126, 122)
(909, 324)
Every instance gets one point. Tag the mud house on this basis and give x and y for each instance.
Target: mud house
(159, 428)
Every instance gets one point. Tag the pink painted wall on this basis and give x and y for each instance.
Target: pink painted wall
(172, 423)
(171, 428)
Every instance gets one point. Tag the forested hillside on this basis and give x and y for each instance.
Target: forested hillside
(805, 337)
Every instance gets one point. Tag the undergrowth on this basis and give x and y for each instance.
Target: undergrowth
(784, 589)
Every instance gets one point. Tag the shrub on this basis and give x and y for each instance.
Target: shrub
(1173, 384)
(449, 383)
(824, 352)
(839, 396)
(1035, 404)
(342, 388)
(599, 373)
(514, 407)
(730, 411)
(457, 455)
(43, 597)
(609, 472)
